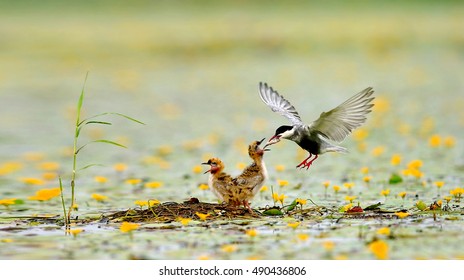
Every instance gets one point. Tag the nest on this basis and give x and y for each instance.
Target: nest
(172, 211)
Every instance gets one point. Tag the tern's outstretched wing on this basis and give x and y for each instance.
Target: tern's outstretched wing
(279, 104)
(338, 123)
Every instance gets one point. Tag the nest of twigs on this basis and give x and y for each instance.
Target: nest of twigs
(172, 211)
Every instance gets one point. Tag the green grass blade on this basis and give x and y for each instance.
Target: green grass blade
(81, 99)
(110, 142)
(90, 165)
(111, 113)
(129, 118)
(62, 202)
(98, 122)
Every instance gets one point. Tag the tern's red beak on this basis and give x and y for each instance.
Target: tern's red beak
(274, 139)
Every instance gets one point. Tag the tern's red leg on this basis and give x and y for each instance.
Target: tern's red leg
(303, 163)
(308, 164)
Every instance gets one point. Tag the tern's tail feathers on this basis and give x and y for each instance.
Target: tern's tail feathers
(337, 149)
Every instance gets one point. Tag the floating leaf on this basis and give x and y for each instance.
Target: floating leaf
(373, 207)
(421, 205)
(395, 179)
(273, 212)
(18, 202)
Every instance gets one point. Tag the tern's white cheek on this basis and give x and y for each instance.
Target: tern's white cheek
(287, 134)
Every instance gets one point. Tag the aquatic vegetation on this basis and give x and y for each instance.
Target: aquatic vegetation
(79, 125)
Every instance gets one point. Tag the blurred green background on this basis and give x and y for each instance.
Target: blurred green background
(190, 70)
(195, 65)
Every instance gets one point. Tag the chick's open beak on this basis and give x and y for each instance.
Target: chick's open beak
(206, 163)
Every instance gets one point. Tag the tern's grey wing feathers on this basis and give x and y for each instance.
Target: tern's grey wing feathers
(279, 104)
(339, 122)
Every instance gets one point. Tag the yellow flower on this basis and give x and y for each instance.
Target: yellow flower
(10, 167)
(449, 141)
(380, 249)
(415, 164)
(336, 189)
(348, 185)
(360, 134)
(141, 203)
(75, 231)
(120, 167)
(326, 184)
(49, 176)
(45, 194)
(378, 151)
(240, 165)
(100, 179)
(34, 156)
(263, 189)
(32, 181)
(8, 201)
(328, 245)
(202, 216)
(133, 181)
(128, 227)
(385, 192)
(153, 184)
(347, 207)
(302, 236)
(350, 198)
(280, 167)
(75, 206)
(435, 141)
(251, 232)
(6, 240)
(197, 169)
(99, 197)
(402, 215)
(301, 201)
(203, 258)
(184, 221)
(203, 187)
(282, 183)
(293, 225)
(164, 150)
(395, 160)
(365, 170)
(228, 248)
(439, 184)
(402, 194)
(49, 166)
(279, 198)
(367, 179)
(447, 198)
(381, 105)
(383, 231)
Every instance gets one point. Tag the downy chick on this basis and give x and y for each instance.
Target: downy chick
(219, 182)
(246, 185)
